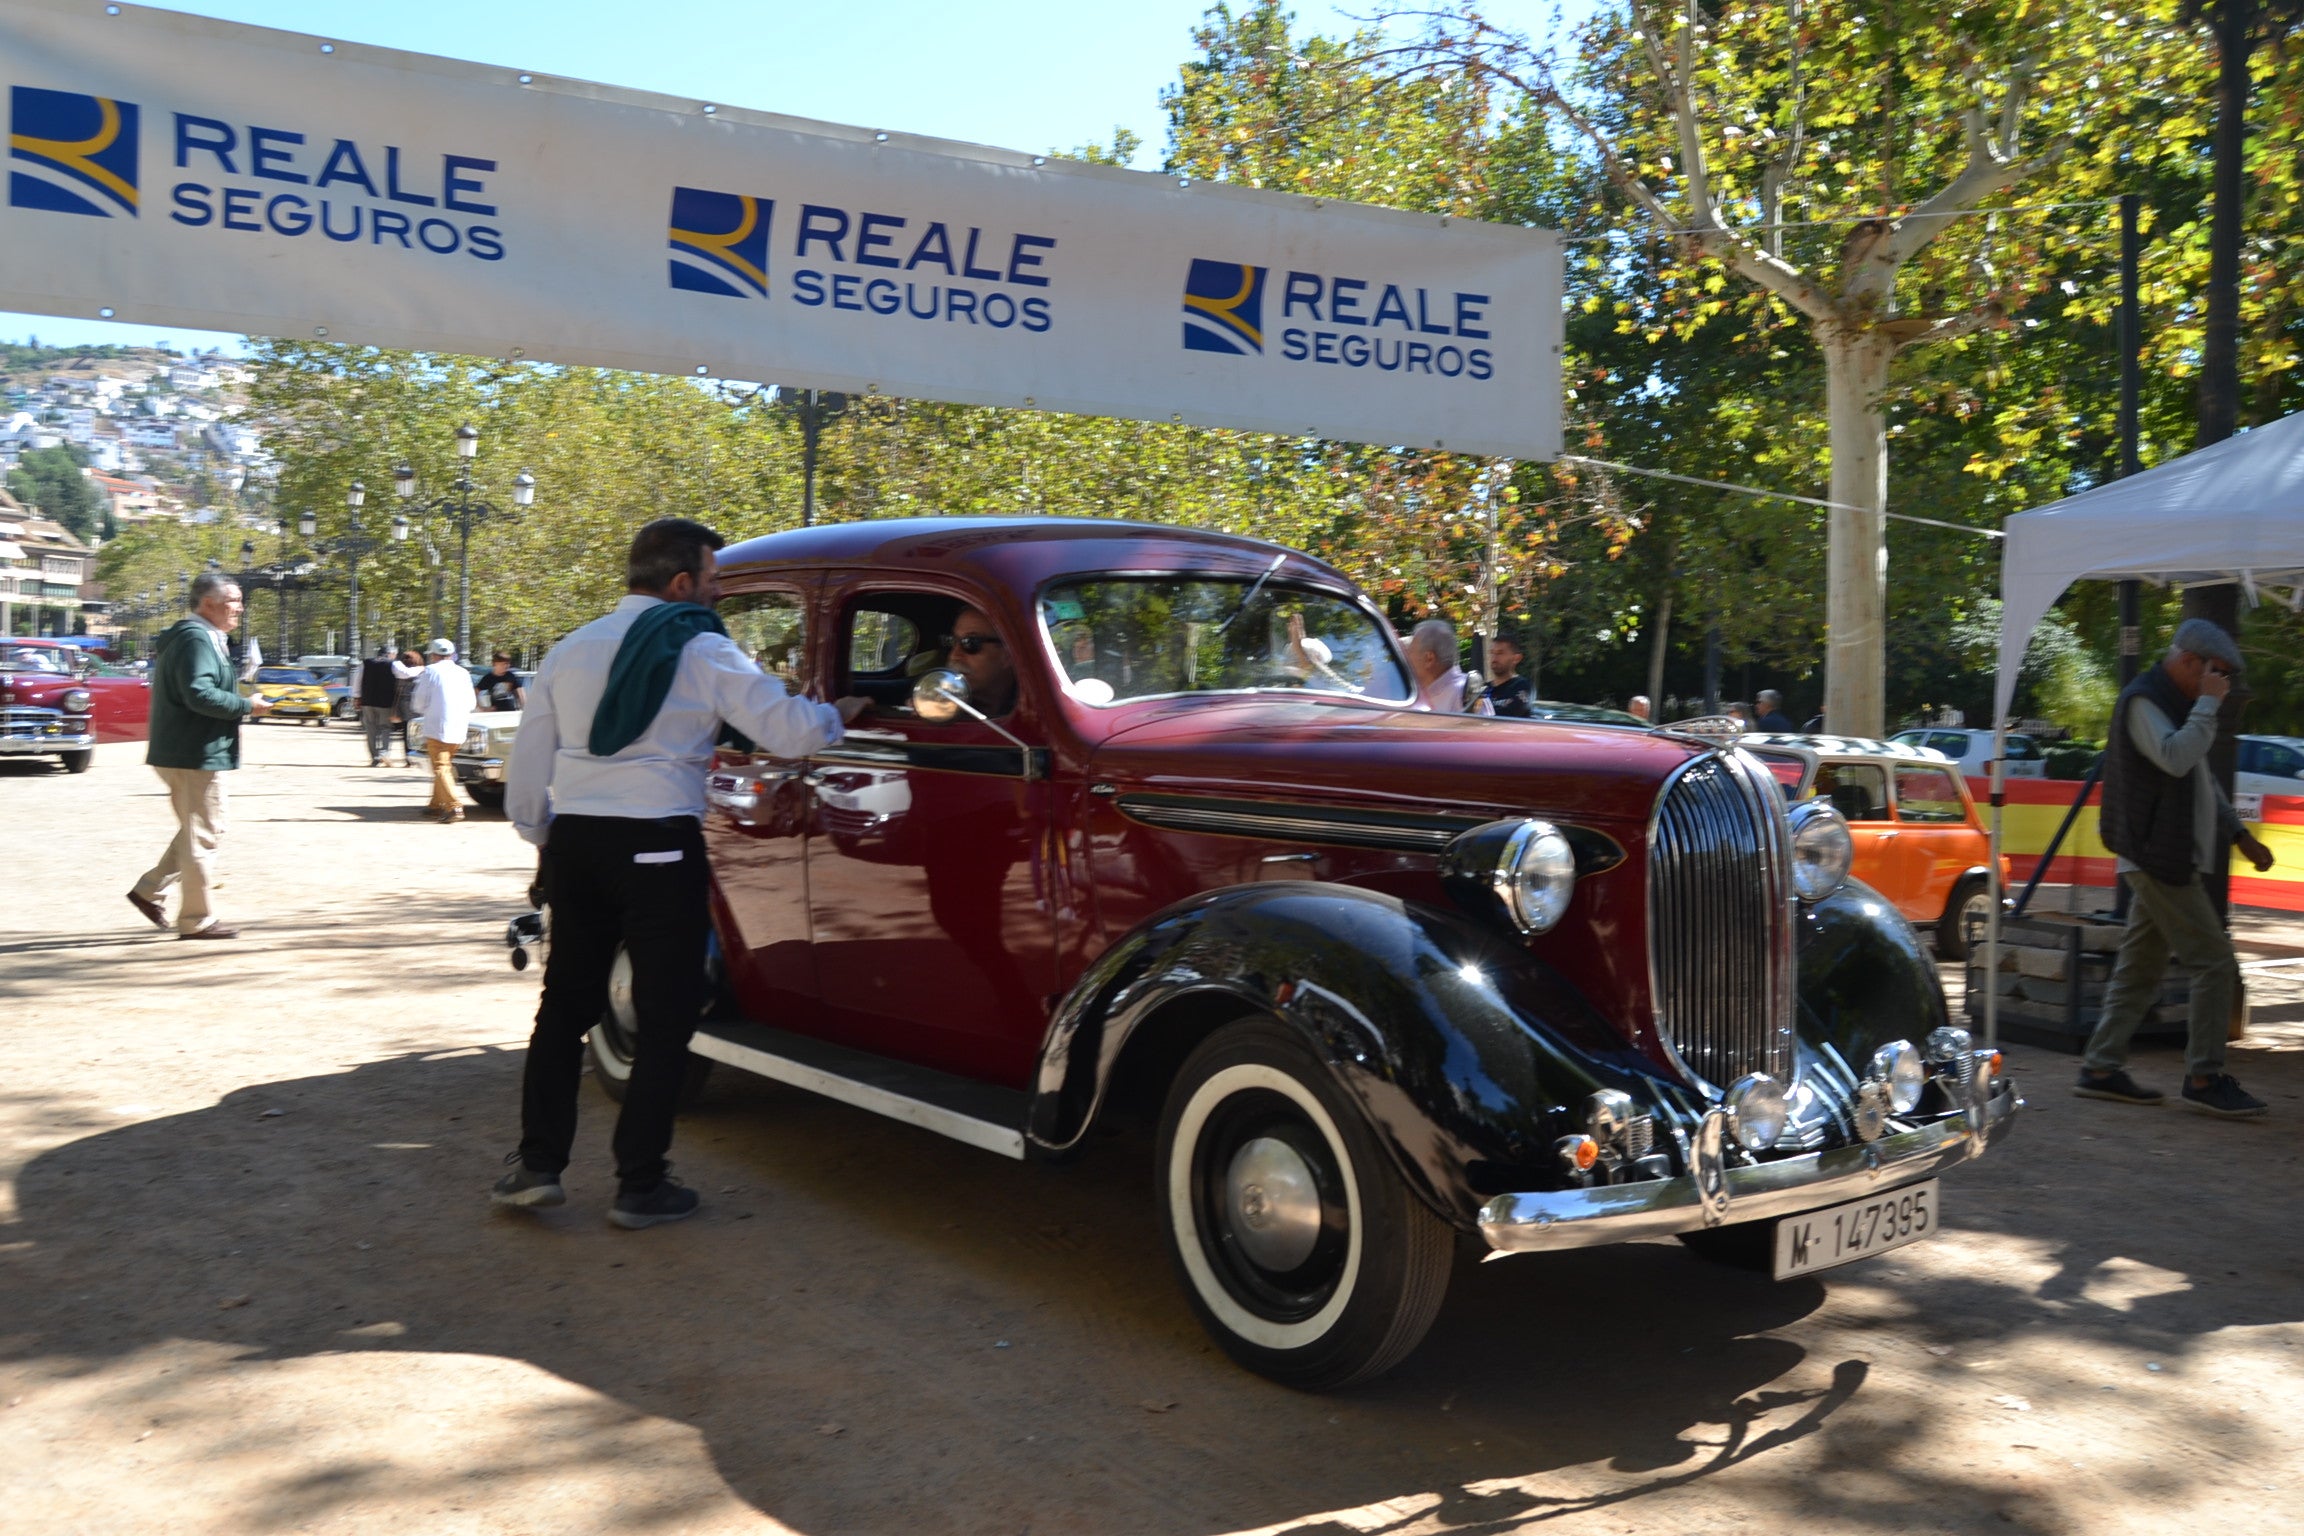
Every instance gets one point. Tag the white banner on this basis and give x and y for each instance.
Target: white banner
(175, 170)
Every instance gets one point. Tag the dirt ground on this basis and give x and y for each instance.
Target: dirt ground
(250, 1281)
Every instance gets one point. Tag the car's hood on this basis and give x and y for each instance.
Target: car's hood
(1402, 759)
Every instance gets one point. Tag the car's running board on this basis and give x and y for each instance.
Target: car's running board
(976, 1113)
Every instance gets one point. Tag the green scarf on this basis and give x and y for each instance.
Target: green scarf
(642, 672)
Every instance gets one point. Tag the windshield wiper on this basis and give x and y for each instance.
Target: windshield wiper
(1277, 562)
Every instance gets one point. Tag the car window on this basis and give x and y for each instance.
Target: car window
(1858, 791)
(284, 675)
(1786, 768)
(2022, 750)
(2280, 761)
(1141, 637)
(1927, 794)
(772, 629)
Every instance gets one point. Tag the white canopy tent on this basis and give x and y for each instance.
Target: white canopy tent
(2231, 512)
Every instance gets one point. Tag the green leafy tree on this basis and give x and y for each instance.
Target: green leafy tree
(51, 479)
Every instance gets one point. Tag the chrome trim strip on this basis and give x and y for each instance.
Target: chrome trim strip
(1299, 823)
(1547, 1221)
(1007, 1140)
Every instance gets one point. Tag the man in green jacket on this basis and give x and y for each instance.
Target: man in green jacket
(196, 714)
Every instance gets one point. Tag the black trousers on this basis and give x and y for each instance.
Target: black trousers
(640, 884)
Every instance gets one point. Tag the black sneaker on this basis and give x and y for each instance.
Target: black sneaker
(669, 1200)
(526, 1188)
(2117, 1086)
(2223, 1097)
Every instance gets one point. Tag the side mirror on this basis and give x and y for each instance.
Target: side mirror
(938, 695)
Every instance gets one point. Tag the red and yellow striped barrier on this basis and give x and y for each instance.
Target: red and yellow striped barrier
(2034, 808)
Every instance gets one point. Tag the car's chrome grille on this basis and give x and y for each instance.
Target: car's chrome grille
(1719, 921)
(35, 720)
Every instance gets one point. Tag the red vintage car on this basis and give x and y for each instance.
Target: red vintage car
(1379, 977)
(54, 703)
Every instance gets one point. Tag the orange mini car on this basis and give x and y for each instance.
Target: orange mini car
(1918, 840)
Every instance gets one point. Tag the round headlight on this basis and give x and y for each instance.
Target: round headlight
(1821, 850)
(1536, 876)
(1896, 1067)
(1756, 1111)
(75, 701)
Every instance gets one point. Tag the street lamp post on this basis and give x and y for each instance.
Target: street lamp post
(352, 546)
(465, 509)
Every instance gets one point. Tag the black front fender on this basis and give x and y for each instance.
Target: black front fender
(1865, 976)
(1466, 1052)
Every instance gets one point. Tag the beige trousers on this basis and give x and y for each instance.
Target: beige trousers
(443, 756)
(197, 797)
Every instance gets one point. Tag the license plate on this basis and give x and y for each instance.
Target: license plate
(1840, 1234)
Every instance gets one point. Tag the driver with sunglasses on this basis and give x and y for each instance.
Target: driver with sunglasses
(2168, 821)
(975, 651)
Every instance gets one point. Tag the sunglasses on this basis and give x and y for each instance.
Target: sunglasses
(970, 644)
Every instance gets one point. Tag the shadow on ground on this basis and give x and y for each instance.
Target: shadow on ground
(1001, 1345)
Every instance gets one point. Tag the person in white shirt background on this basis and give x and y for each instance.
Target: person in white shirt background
(607, 777)
(443, 703)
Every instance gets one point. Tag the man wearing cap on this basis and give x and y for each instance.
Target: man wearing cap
(607, 777)
(443, 703)
(2169, 823)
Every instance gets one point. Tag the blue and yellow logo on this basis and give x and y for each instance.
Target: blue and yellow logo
(81, 150)
(720, 242)
(1224, 307)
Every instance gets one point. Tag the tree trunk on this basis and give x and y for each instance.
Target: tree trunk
(2235, 26)
(2234, 22)
(1856, 654)
(1660, 637)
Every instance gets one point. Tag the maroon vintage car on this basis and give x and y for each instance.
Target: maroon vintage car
(54, 702)
(1377, 976)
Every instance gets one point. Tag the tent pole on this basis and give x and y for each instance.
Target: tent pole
(1992, 884)
(2131, 387)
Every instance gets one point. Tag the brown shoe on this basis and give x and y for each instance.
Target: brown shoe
(453, 815)
(212, 931)
(150, 909)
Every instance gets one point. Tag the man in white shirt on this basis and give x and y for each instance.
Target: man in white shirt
(607, 775)
(1441, 684)
(443, 702)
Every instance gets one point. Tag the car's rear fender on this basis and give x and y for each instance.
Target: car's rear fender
(1469, 1056)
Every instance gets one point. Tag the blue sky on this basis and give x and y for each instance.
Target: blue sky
(1021, 74)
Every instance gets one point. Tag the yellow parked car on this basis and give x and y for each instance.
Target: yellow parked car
(296, 693)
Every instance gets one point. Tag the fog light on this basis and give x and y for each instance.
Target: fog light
(1897, 1068)
(1950, 1044)
(1606, 1114)
(1756, 1111)
(1577, 1153)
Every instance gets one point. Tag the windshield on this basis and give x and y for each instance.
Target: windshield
(35, 658)
(284, 675)
(1133, 637)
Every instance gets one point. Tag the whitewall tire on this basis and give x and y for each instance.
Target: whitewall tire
(1299, 1247)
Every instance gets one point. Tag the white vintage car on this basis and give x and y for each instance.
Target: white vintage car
(486, 754)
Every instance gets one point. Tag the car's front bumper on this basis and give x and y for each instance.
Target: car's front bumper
(23, 745)
(1548, 1220)
(479, 770)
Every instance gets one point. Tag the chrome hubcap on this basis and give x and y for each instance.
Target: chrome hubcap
(1273, 1202)
(620, 995)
